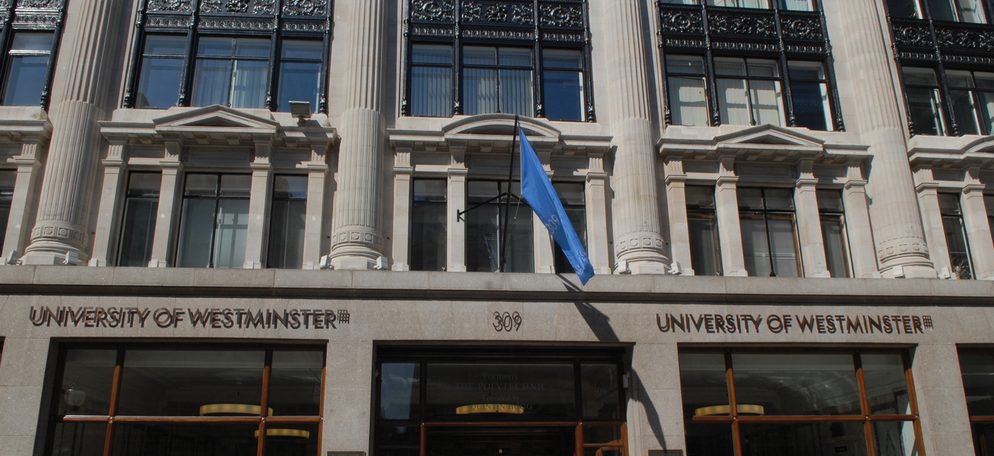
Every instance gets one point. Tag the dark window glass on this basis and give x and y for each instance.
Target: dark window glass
(87, 378)
(971, 11)
(428, 225)
(484, 235)
(702, 220)
(214, 221)
(686, 89)
(704, 384)
(709, 439)
(572, 196)
(922, 91)
(956, 240)
(803, 438)
(809, 95)
(161, 71)
(563, 84)
(971, 101)
(903, 8)
(833, 232)
(141, 204)
(27, 68)
(431, 80)
(886, 383)
(749, 91)
(540, 390)
(288, 218)
(983, 438)
(497, 80)
(300, 73)
(978, 381)
(797, 383)
(295, 382)
(78, 439)
(798, 5)
(400, 390)
(184, 439)
(232, 72)
(7, 180)
(769, 242)
(600, 386)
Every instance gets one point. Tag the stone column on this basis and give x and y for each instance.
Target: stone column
(928, 201)
(872, 108)
(676, 198)
(638, 239)
(355, 237)
(170, 188)
(978, 229)
(941, 401)
(595, 195)
(260, 199)
(84, 78)
(25, 192)
(726, 205)
(22, 384)
(809, 223)
(864, 258)
(455, 198)
(317, 176)
(402, 171)
(108, 217)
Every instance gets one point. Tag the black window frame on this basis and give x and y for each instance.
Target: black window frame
(27, 19)
(703, 30)
(277, 24)
(538, 25)
(765, 214)
(125, 210)
(983, 128)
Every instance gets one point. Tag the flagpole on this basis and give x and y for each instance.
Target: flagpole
(507, 202)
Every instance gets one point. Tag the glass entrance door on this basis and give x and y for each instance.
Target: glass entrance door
(500, 441)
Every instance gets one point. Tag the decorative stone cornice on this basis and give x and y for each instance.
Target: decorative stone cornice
(764, 143)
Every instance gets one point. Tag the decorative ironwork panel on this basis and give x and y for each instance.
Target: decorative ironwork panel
(499, 34)
(36, 21)
(752, 25)
(498, 19)
(742, 46)
(305, 8)
(685, 43)
(563, 37)
(254, 7)
(39, 4)
(503, 13)
(433, 10)
(170, 6)
(972, 60)
(561, 15)
(801, 28)
(237, 23)
(958, 39)
(433, 30)
(912, 34)
(916, 56)
(169, 22)
(811, 49)
(682, 21)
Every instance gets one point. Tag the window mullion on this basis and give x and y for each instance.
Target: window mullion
(217, 220)
(115, 392)
(275, 52)
(538, 70)
(191, 54)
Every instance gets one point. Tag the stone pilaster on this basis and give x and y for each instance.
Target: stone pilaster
(170, 188)
(809, 223)
(597, 221)
(25, 193)
(317, 176)
(872, 107)
(978, 229)
(260, 200)
(726, 205)
(402, 173)
(85, 75)
(638, 239)
(356, 239)
(108, 217)
(928, 202)
(676, 208)
(864, 258)
(455, 197)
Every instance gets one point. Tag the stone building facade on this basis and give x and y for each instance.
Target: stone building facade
(273, 226)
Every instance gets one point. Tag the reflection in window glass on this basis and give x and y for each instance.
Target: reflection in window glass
(300, 73)
(600, 391)
(797, 384)
(141, 205)
(803, 438)
(704, 384)
(748, 91)
(295, 382)
(429, 222)
(542, 390)
(903, 9)
(886, 385)
(922, 92)
(161, 71)
(400, 390)
(288, 217)
(978, 381)
(686, 90)
(27, 68)
(497, 80)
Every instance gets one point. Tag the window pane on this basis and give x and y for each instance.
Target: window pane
(191, 382)
(833, 234)
(542, 390)
(252, 47)
(763, 68)
(519, 250)
(572, 196)
(563, 91)
(399, 391)
(236, 185)
(212, 82)
(755, 246)
(886, 385)
(78, 439)
(709, 439)
(688, 101)
(903, 8)
(292, 439)
(86, 382)
(600, 391)
(433, 53)
(476, 55)
(729, 67)
(784, 246)
(161, 71)
(301, 49)
(431, 92)
(986, 102)
(249, 83)
(295, 382)
(685, 64)
(482, 235)
(429, 222)
(138, 225)
(232, 228)
(798, 5)
(704, 384)
(895, 438)
(971, 11)
(919, 76)
(733, 103)
(201, 185)
(196, 233)
(810, 102)
(479, 91)
(7, 180)
(26, 77)
(797, 384)
(704, 244)
(516, 92)
(942, 10)
(806, 438)
(829, 201)
(215, 47)
(185, 439)
(983, 438)
(964, 111)
(299, 81)
(924, 106)
(515, 57)
(959, 253)
(562, 59)
(288, 219)
(765, 99)
(978, 382)
(751, 198)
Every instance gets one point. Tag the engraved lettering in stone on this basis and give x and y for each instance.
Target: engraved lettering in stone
(813, 324)
(213, 318)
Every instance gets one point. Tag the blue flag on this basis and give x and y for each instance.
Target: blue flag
(537, 190)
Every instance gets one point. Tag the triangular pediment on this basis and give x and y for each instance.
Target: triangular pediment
(770, 135)
(501, 125)
(215, 119)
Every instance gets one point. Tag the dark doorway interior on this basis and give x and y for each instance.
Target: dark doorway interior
(500, 441)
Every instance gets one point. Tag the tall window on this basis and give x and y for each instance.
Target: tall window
(971, 11)
(214, 221)
(485, 239)
(977, 366)
(809, 95)
(803, 402)
(288, 216)
(28, 61)
(203, 400)
(685, 81)
(972, 101)
(922, 90)
(749, 91)
(572, 196)
(141, 204)
(232, 55)
(956, 240)
(525, 59)
(7, 179)
(769, 239)
(702, 221)
(833, 232)
(428, 225)
(989, 203)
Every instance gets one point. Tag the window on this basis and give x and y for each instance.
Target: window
(28, 63)
(957, 10)
(922, 91)
(205, 400)
(485, 239)
(780, 403)
(428, 225)
(903, 9)
(571, 194)
(511, 59)
(705, 250)
(748, 91)
(833, 232)
(141, 204)
(214, 221)
(977, 366)
(788, 5)
(685, 80)
(233, 55)
(769, 240)
(7, 179)
(972, 101)
(989, 203)
(288, 216)
(956, 240)
(809, 95)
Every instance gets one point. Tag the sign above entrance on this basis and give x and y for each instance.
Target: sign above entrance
(473, 409)
(174, 317)
(711, 323)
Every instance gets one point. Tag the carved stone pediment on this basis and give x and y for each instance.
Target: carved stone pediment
(765, 143)
(215, 122)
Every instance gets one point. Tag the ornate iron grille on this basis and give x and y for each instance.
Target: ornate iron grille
(32, 15)
(274, 19)
(774, 33)
(535, 24)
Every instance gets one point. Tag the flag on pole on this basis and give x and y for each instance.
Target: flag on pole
(537, 190)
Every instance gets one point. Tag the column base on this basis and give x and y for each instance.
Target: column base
(911, 271)
(69, 257)
(358, 263)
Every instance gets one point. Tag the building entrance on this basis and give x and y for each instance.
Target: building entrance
(500, 441)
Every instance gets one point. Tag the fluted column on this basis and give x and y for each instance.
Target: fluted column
(638, 239)
(355, 236)
(85, 73)
(872, 107)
